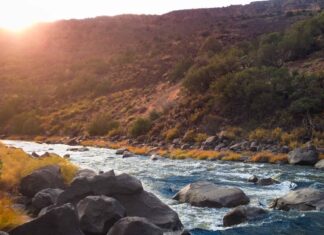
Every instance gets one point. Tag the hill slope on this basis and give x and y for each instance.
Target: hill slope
(73, 77)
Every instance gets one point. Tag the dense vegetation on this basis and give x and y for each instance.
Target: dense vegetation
(168, 77)
(252, 85)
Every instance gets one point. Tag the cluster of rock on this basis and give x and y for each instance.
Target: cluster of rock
(108, 203)
(206, 194)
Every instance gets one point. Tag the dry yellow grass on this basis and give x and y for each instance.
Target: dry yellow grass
(9, 217)
(269, 157)
(194, 154)
(16, 164)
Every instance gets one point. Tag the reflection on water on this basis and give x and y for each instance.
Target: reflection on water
(165, 177)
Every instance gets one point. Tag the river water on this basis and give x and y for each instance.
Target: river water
(165, 177)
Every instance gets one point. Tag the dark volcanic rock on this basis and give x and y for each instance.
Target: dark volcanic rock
(45, 198)
(304, 156)
(134, 226)
(107, 184)
(147, 205)
(58, 221)
(302, 199)
(98, 214)
(253, 179)
(205, 194)
(129, 192)
(242, 214)
(267, 181)
(43, 178)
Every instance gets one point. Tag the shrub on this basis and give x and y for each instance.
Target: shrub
(171, 134)
(16, 164)
(154, 115)
(232, 133)
(140, 127)
(260, 134)
(101, 125)
(189, 136)
(180, 69)
(115, 132)
(26, 124)
(201, 137)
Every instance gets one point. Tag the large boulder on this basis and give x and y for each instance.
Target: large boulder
(320, 164)
(134, 226)
(129, 192)
(242, 214)
(43, 178)
(98, 214)
(107, 184)
(45, 198)
(303, 156)
(147, 205)
(206, 194)
(302, 199)
(58, 221)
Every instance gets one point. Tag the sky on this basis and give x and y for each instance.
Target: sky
(18, 14)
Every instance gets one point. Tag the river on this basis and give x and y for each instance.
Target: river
(165, 177)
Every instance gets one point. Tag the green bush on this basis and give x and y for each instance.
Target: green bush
(180, 69)
(140, 127)
(154, 115)
(25, 124)
(101, 125)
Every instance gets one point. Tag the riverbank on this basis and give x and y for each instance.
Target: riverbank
(273, 154)
(166, 177)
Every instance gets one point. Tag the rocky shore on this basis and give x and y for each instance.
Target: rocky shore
(213, 148)
(112, 203)
(116, 204)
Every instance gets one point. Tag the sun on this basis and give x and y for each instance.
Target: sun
(16, 16)
(16, 25)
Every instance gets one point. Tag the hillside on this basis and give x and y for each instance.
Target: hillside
(99, 76)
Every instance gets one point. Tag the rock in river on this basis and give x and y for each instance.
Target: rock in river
(303, 156)
(129, 192)
(302, 199)
(134, 226)
(205, 194)
(242, 214)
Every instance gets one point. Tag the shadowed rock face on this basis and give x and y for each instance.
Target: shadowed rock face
(129, 192)
(242, 214)
(134, 226)
(45, 198)
(98, 214)
(43, 178)
(59, 221)
(205, 194)
(303, 199)
(107, 184)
